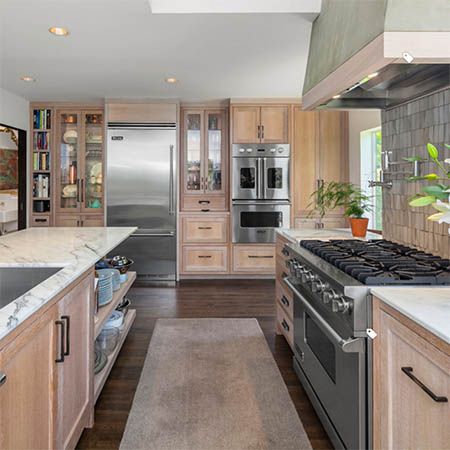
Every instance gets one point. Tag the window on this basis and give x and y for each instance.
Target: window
(370, 170)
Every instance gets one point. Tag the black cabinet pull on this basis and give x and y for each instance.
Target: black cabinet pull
(205, 228)
(285, 325)
(285, 301)
(67, 332)
(204, 256)
(61, 341)
(204, 210)
(285, 252)
(204, 202)
(2, 378)
(408, 371)
(261, 256)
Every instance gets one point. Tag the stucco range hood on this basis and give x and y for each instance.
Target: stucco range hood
(377, 54)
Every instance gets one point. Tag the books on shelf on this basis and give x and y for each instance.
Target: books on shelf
(41, 161)
(42, 119)
(41, 140)
(41, 186)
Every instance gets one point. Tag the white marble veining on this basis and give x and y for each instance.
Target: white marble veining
(297, 234)
(73, 249)
(427, 306)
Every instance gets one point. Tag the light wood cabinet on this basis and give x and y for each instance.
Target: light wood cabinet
(208, 229)
(204, 157)
(204, 259)
(27, 396)
(256, 259)
(75, 381)
(76, 220)
(408, 371)
(264, 124)
(320, 154)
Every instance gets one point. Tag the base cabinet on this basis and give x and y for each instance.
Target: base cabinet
(75, 220)
(407, 364)
(27, 395)
(258, 259)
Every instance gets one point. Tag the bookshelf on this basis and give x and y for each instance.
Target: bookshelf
(41, 161)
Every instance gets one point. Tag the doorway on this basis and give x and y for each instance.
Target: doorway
(13, 179)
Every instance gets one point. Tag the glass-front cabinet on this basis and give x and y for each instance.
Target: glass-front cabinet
(79, 168)
(203, 157)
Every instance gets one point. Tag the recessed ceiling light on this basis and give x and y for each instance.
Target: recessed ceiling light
(27, 78)
(336, 96)
(372, 75)
(58, 31)
(171, 80)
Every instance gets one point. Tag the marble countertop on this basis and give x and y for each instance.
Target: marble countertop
(73, 249)
(297, 234)
(427, 306)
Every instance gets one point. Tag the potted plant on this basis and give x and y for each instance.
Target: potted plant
(436, 194)
(357, 204)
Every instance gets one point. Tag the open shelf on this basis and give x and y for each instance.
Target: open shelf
(101, 377)
(105, 311)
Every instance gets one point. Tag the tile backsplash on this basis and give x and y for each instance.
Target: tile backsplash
(406, 130)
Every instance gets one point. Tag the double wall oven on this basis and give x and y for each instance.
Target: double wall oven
(260, 193)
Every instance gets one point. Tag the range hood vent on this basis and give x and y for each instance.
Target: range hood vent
(377, 54)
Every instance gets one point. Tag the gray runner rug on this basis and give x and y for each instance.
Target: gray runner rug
(211, 384)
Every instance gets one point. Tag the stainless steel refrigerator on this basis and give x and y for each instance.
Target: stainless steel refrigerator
(141, 191)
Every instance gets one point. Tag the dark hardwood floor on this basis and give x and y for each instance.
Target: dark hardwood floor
(230, 298)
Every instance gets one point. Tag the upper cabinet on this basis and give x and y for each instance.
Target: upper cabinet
(204, 153)
(260, 124)
(79, 161)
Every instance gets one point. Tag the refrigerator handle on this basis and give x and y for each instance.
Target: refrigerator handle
(171, 188)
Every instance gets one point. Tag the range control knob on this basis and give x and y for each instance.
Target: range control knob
(306, 276)
(340, 305)
(280, 150)
(319, 286)
(329, 295)
(273, 150)
(249, 150)
(241, 150)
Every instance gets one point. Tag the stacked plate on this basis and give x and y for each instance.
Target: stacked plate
(100, 360)
(115, 277)
(104, 287)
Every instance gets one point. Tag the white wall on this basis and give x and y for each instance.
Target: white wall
(359, 120)
(13, 110)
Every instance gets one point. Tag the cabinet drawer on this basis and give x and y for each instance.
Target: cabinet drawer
(254, 258)
(284, 324)
(285, 298)
(204, 259)
(40, 221)
(198, 229)
(204, 203)
(281, 269)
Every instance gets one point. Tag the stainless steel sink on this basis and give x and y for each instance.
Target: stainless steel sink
(15, 281)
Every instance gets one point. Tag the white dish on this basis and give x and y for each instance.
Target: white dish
(115, 320)
(70, 136)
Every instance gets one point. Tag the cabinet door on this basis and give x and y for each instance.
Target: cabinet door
(275, 124)
(246, 124)
(405, 416)
(215, 151)
(69, 220)
(27, 397)
(92, 221)
(91, 180)
(75, 374)
(67, 166)
(193, 170)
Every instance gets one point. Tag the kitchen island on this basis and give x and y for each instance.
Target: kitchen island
(47, 383)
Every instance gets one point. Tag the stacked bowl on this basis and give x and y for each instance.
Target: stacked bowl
(104, 287)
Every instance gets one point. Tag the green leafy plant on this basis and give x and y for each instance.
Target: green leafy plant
(357, 204)
(435, 195)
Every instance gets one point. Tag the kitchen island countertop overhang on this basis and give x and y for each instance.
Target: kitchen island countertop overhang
(74, 249)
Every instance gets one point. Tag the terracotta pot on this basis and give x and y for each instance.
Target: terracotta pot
(359, 226)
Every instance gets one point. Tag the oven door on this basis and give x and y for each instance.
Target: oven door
(334, 368)
(246, 178)
(276, 178)
(257, 221)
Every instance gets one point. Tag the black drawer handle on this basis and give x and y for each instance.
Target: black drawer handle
(2, 378)
(204, 202)
(67, 329)
(285, 301)
(205, 210)
(205, 228)
(204, 256)
(408, 371)
(285, 252)
(61, 341)
(285, 325)
(261, 256)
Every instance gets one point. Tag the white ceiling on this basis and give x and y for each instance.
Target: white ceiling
(118, 49)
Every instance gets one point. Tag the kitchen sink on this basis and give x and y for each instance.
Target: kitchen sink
(16, 281)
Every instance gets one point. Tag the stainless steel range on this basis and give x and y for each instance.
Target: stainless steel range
(261, 194)
(332, 320)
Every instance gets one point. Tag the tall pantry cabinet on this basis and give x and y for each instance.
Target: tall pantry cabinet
(74, 162)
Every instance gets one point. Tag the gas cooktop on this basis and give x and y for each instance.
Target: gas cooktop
(381, 262)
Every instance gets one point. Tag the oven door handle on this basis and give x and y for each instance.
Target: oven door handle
(351, 345)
